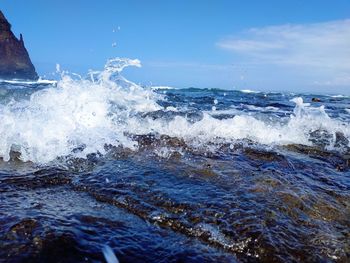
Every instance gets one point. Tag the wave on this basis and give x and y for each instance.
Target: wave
(161, 88)
(77, 117)
(249, 91)
(338, 96)
(28, 82)
(267, 108)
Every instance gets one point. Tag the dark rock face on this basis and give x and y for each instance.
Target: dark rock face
(14, 59)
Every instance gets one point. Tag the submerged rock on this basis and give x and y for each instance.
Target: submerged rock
(14, 59)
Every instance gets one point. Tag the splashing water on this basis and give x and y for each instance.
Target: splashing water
(105, 109)
(75, 113)
(109, 254)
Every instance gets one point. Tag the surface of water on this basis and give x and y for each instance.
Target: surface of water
(169, 175)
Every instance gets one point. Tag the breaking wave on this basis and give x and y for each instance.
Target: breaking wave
(80, 116)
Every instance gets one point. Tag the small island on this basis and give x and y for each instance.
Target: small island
(15, 62)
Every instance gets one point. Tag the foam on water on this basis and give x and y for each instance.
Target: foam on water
(338, 96)
(297, 130)
(74, 114)
(268, 108)
(249, 91)
(39, 81)
(161, 87)
(80, 116)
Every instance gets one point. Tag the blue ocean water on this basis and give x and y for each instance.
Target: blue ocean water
(156, 174)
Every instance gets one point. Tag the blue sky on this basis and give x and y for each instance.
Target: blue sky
(260, 45)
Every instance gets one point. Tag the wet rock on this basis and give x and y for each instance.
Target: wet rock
(58, 248)
(308, 150)
(341, 141)
(257, 154)
(340, 162)
(15, 62)
(24, 228)
(151, 140)
(39, 179)
(20, 240)
(15, 156)
(190, 115)
(204, 173)
(316, 100)
(320, 138)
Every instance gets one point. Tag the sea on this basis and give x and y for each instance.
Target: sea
(100, 169)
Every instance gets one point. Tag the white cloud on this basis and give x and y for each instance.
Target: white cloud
(341, 80)
(318, 46)
(249, 45)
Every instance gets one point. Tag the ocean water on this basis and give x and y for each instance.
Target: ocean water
(100, 169)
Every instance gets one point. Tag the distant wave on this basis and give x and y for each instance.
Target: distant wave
(338, 96)
(29, 82)
(249, 91)
(161, 87)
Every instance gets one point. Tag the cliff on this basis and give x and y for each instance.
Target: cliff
(14, 59)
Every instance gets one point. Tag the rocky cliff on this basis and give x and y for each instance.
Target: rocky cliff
(14, 59)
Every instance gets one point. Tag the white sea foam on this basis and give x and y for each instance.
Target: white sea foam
(161, 87)
(106, 109)
(39, 81)
(75, 113)
(338, 96)
(256, 108)
(297, 129)
(249, 91)
(230, 111)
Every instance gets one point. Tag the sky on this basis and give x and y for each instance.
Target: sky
(290, 45)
